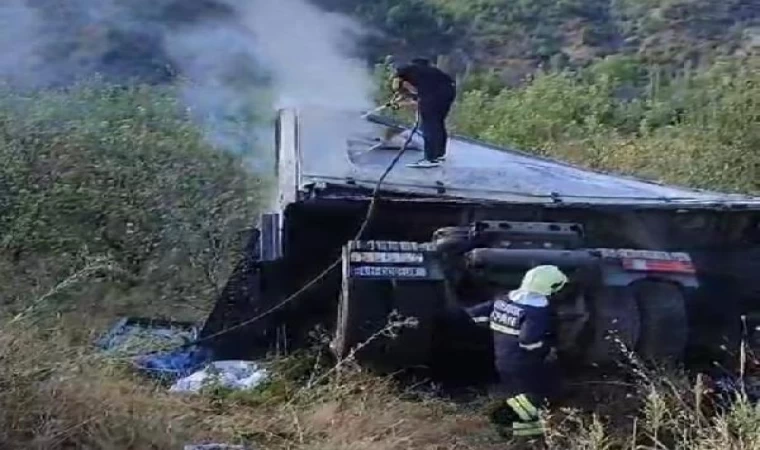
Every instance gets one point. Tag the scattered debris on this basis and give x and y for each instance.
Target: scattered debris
(132, 335)
(170, 366)
(161, 344)
(240, 375)
(726, 388)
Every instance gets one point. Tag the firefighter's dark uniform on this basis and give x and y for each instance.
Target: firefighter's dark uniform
(521, 324)
(436, 92)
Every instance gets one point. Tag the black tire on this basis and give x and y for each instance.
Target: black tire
(664, 323)
(615, 324)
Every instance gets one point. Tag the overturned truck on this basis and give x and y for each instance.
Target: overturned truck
(663, 271)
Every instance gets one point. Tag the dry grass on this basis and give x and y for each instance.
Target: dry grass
(57, 394)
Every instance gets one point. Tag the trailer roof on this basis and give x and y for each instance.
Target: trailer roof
(334, 148)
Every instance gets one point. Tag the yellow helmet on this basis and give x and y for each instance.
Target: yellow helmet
(544, 280)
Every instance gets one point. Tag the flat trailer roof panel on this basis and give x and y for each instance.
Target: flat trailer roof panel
(336, 148)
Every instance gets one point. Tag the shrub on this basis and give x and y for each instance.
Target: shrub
(99, 170)
(695, 128)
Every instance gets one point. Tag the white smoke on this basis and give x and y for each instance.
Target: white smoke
(306, 56)
(308, 53)
(19, 28)
(237, 67)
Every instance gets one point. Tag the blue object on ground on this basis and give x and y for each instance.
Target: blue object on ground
(145, 335)
(160, 330)
(171, 366)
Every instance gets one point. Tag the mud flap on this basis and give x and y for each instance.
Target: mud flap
(664, 323)
(387, 325)
(616, 325)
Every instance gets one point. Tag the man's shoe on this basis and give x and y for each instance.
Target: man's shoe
(424, 164)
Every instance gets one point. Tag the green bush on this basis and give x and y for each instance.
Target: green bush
(119, 173)
(694, 128)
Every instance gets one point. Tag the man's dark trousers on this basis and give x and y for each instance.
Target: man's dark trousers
(434, 108)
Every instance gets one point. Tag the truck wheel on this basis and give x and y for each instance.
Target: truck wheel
(664, 324)
(615, 324)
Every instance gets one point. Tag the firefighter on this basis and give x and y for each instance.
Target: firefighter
(521, 324)
(434, 92)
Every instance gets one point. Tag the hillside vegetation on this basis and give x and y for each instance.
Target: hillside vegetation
(696, 128)
(113, 203)
(512, 37)
(116, 179)
(516, 36)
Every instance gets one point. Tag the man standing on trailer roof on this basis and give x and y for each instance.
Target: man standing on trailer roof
(434, 91)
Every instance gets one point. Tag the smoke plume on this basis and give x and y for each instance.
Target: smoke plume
(18, 51)
(301, 54)
(308, 53)
(237, 60)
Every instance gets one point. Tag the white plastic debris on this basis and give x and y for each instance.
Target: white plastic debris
(240, 375)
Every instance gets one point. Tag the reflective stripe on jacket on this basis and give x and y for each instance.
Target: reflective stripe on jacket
(520, 314)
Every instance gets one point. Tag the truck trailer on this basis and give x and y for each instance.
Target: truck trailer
(666, 272)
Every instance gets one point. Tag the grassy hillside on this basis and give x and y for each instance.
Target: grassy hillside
(695, 128)
(119, 179)
(112, 203)
(516, 36)
(57, 395)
